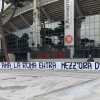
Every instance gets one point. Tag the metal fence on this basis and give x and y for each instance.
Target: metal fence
(52, 41)
(89, 43)
(51, 34)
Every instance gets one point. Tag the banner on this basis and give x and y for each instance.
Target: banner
(62, 66)
(69, 22)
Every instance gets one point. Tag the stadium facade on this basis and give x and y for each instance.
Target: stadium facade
(56, 28)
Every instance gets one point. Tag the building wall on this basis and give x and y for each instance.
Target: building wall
(91, 28)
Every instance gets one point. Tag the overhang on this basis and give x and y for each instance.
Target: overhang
(54, 10)
(90, 7)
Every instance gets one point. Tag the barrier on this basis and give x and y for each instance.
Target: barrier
(54, 66)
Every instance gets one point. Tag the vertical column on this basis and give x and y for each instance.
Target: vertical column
(0, 42)
(79, 18)
(69, 25)
(36, 23)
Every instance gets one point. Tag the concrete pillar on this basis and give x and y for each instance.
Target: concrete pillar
(28, 56)
(69, 25)
(36, 23)
(79, 17)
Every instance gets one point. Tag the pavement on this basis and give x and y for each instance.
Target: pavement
(49, 85)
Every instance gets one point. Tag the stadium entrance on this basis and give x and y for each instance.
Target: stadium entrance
(56, 29)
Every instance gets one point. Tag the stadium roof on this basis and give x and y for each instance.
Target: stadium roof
(51, 9)
(90, 7)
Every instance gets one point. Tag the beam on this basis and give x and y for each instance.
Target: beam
(23, 18)
(13, 26)
(45, 13)
(46, 2)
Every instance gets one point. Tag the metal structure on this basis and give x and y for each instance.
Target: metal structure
(45, 22)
